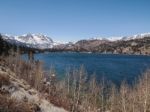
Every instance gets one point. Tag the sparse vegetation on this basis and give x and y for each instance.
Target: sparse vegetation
(79, 93)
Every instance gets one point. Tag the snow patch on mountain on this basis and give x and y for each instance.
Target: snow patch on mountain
(125, 38)
(36, 40)
(138, 36)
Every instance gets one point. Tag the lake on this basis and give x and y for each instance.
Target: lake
(113, 67)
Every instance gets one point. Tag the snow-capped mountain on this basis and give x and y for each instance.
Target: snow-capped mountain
(31, 40)
(139, 36)
(125, 38)
(35, 40)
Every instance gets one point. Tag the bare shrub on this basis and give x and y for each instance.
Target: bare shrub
(30, 71)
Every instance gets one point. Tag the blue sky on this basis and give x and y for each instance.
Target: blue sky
(71, 20)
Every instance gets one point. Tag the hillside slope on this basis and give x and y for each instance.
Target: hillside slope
(16, 95)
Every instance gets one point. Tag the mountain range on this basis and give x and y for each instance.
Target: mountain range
(125, 44)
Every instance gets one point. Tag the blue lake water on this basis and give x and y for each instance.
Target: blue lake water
(112, 67)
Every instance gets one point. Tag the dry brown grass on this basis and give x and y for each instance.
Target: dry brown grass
(11, 105)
